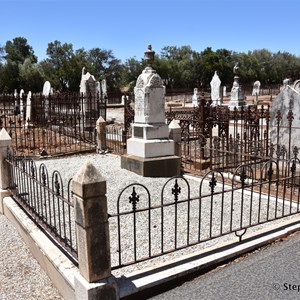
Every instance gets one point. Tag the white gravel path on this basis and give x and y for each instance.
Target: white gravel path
(21, 277)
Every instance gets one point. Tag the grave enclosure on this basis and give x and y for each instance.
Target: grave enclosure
(248, 176)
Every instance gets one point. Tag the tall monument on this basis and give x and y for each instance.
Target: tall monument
(150, 151)
(237, 97)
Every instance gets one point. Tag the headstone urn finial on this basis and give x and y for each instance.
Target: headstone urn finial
(149, 56)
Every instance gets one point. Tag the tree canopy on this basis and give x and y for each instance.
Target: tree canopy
(179, 67)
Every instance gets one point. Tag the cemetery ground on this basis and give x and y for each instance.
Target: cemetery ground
(124, 178)
(109, 167)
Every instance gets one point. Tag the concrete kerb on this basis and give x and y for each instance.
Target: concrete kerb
(154, 279)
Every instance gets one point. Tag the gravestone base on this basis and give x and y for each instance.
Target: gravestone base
(150, 148)
(166, 166)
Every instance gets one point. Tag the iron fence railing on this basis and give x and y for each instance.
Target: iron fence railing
(45, 199)
(146, 227)
(57, 124)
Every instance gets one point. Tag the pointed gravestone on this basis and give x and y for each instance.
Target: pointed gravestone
(237, 97)
(28, 109)
(46, 88)
(195, 97)
(21, 102)
(215, 89)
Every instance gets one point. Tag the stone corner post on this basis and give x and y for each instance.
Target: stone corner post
(91, 219)
(175, 134)
(101, 134)
(5, 168)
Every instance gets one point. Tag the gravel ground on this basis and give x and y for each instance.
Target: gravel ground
(21, 277)
(31, 283)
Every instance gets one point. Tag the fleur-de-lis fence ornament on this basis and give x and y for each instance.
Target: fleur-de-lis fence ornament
(213, 183)
(134, 199)
(270, 171)
(57, 185)
(176, 190)
(243, 176)
(295, 151)
(32, 169)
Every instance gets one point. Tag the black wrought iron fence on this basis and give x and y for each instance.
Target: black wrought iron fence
(146, 227)
(58, 124)
(45, 199)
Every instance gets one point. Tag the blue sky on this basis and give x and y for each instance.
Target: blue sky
(127, 27)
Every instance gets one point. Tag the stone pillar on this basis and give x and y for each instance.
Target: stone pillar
(101, 135)
(5, 169)
(175, 135)
(91, 219)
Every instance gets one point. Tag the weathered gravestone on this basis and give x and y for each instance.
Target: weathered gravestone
(46, 93)
(237, 97)
(21, 102)
(46, 89)
(256, 88)
(89, 89)
(215, 90)
(195, 97)
(286, 102)
(28, 109)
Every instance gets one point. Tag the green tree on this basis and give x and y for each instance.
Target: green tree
(56, 67)
(18, 50)
(132, 68)
(14, 55)
(104, 65)
(31, 76)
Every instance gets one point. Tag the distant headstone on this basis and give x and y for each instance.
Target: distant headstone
(87, 83)
(237, 97)
(46, 88)
(98, 88)
(28, 109)
(195, 97)
(104, 87)
(88, 88)
(256, 88)
(21, 102)
(17, 108)
(224, 91)
(215, 89)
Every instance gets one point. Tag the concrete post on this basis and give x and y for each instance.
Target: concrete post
(101, 134)
(175, 135)
(5, 169)
(91, 219)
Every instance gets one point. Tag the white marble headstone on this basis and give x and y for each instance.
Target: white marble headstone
(104, 87)
(46, 88)
(256, 87)
(215, 89)
(28, 108)
(195, 97)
